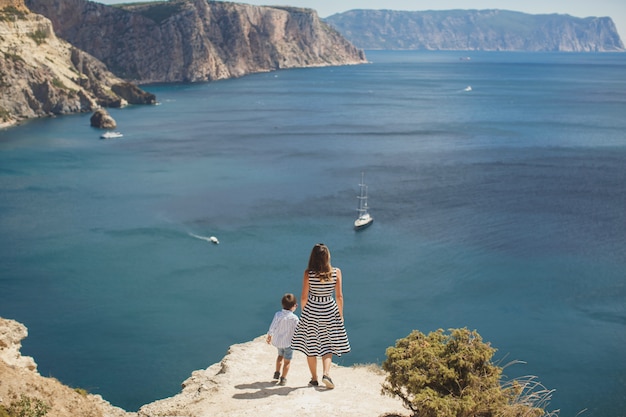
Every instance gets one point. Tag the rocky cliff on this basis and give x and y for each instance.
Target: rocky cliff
(487, 30)
(42, 75)
(24, 391)
(196, 40)
(239, 385)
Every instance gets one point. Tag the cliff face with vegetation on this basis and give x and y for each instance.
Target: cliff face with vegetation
(41, 75)
(472, 30)
(24, 392)
(196, 40)
(237, 386)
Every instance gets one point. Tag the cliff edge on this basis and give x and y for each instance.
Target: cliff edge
(19, 378)
(42, 75)
(197, 40)
(239, 385)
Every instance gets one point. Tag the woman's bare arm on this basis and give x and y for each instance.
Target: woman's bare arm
(305, 290)
(339, 293)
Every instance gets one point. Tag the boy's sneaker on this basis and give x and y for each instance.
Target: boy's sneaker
(282, 381)
(328, 382)
(276, 375)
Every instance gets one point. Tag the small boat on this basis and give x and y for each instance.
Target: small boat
(468, 88)
(210, 239)
(364, 219)
(111, 135)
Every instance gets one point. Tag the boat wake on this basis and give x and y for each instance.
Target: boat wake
(210, 239)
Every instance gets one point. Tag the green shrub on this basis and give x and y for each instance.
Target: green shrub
(451, 375)
(28, 407)
(39, 36)
(5, 115)
(58, 84)
(81, 391)
(11, 14)
(13, 57)
(160, 11)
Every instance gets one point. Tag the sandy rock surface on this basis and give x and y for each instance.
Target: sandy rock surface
(241, 385)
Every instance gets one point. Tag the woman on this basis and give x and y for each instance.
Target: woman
(321, 331)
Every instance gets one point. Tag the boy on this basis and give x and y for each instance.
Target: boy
(280, 334)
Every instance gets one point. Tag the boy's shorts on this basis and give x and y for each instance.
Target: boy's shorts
(286, 353)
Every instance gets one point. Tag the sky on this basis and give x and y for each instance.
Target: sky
(615, 9)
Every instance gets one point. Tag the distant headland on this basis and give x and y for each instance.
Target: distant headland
(476, 30)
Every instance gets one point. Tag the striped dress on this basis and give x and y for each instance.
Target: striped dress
(320, 330)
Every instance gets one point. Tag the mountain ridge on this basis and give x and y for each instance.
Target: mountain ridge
(197, 40)
(473, 30)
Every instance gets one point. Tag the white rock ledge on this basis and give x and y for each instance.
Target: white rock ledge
(241, 385)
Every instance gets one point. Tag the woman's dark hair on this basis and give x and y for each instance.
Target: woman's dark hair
(319, 262)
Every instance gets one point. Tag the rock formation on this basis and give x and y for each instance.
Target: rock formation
(19, 377)
(133, 94)
(239, 386)
(102, 120)
(486, 30)
(196, 40)
(11, 335)
(42, 75)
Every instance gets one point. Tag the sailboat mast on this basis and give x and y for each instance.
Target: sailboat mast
(363, 195)
(365, 200)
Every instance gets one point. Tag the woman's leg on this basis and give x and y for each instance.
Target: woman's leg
(312, 362)
(326, 361)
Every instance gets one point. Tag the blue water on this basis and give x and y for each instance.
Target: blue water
(500, 209)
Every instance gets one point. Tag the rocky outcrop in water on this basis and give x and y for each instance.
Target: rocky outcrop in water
(473, 30)
(102, 120)
(197, 40)
(41, 75)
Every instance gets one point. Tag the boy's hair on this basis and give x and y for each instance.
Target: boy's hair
(288, 301)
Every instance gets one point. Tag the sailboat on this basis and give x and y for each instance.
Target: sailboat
(364, 219)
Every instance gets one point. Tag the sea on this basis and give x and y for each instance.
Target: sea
(497, 183)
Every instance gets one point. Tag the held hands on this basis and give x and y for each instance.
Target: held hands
(268, 339)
